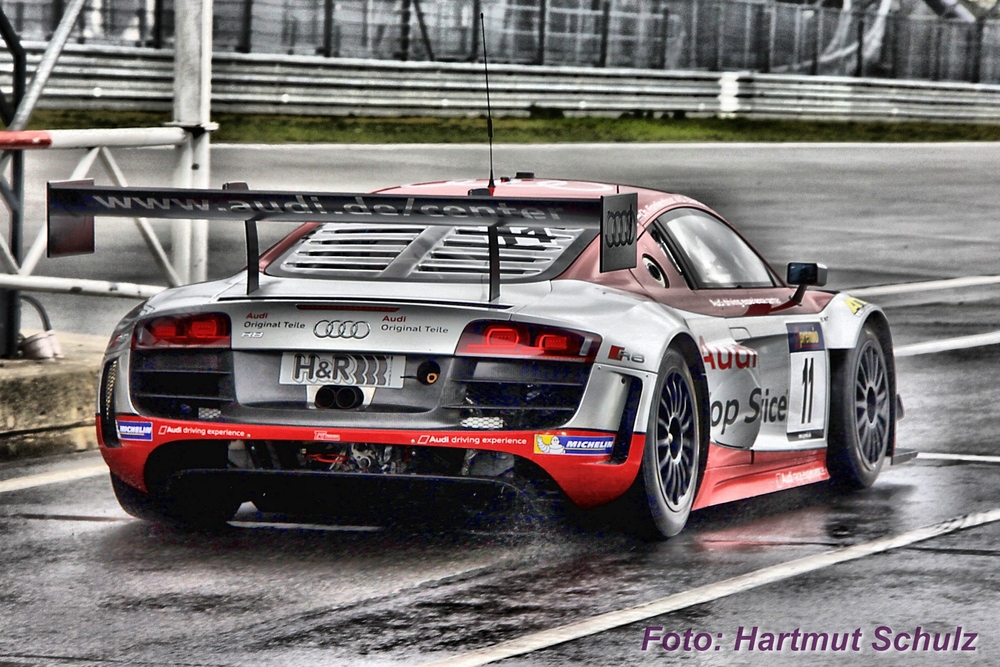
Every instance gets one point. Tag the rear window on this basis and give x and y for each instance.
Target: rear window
(430, 254)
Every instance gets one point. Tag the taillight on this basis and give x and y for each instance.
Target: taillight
(527, 341)
(201, 330)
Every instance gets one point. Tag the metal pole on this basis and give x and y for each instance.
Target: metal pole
(423, 30)
(328, 28)
(477, 8)
(158, 12)
(543, 14)
(246, 28)
(859, 70)
(192, 111)
(818, 51)
(404, 31)
(977, 52)
(665, 38)
(10, 300)
(605, 32)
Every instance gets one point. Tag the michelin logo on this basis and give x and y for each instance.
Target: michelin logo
(135, 431)
(573, 444)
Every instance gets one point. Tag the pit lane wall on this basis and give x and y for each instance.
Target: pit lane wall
(47, 406)
(94, 77)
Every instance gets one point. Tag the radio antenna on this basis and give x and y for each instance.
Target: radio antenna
(489, 108)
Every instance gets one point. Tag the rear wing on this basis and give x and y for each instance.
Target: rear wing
(73, 205)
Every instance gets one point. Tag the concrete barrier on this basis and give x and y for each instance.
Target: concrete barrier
(47, 407)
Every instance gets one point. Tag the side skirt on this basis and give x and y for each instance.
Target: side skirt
(734, 475)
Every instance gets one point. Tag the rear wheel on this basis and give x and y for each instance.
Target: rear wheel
(665, 488)
(862, 413)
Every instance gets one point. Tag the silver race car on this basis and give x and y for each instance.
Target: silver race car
(625, 344)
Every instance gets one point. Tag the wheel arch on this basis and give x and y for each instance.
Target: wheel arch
(877, 322)
(684, 343)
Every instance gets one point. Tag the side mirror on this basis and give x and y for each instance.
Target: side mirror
(804, 274)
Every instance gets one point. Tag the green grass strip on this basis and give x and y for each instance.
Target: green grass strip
(259, 128)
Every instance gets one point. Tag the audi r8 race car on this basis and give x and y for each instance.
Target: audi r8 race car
(626, 344)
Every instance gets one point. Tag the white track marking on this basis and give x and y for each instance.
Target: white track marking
(959, 343)
(55, 477)
(769, 575)
(970, 458)
(925, 286)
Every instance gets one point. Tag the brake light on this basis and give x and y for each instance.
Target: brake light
(527, 341)
(202, 330)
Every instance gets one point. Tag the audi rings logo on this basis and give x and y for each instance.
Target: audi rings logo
(620, 228)
(341, 329)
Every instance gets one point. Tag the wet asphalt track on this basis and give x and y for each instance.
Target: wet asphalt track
(80, 583)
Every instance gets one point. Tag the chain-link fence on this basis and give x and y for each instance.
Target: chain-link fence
(754, 35)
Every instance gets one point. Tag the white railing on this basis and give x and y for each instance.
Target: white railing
(99, 144)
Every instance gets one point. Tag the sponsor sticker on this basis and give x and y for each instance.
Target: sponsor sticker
(805, 337)
(573, 444)
(855, 304)
(799, 477)
(326, 436)
(141, 431)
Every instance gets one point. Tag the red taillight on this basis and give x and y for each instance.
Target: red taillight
(527, 341)
(202, 330)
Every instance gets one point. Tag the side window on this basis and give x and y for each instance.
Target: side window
(711, 254)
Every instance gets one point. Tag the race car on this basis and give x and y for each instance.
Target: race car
(628, 345)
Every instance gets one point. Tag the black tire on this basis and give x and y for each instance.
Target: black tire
(195, 510)
(672, 458)
(862, 413)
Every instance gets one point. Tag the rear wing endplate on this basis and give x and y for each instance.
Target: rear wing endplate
(73, 205)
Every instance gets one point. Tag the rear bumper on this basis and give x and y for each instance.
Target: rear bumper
(588, 479)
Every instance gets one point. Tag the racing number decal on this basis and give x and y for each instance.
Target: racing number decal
(808, 382)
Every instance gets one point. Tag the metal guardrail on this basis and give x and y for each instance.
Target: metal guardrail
(123, 78)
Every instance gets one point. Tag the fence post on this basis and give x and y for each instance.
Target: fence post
(477, 8)
(859, 70)
(157, 33)
(404, 31)
(246, 28)
(543, 16)
(605, 32)
(327, 28)
(693, 38)
(665, 38)
(818, 51)
(772, 21)
(977, 51)
(720, 17)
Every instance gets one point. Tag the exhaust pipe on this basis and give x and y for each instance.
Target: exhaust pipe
(330, 397)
